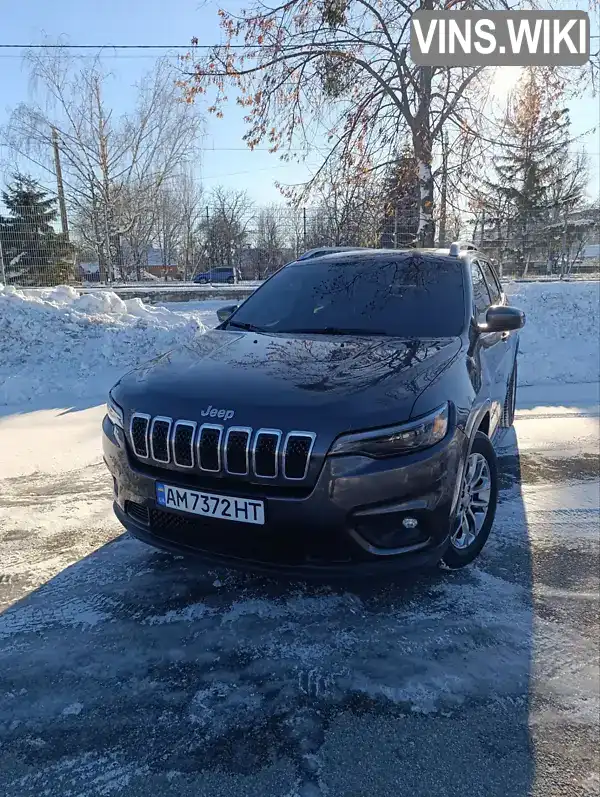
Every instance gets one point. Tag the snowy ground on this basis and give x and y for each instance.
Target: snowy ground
(59, 348)
(126, 671)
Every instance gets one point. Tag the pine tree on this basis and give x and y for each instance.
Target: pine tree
(534, 140)
(400, 223)
(34, 253)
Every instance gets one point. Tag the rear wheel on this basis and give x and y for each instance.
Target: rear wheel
(510, 402)
(476, 505)
(231, 280)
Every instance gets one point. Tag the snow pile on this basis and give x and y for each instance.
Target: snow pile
(58, 341)
(61, 342)
(561, 338)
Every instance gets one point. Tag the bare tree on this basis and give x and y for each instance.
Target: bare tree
(341, 66)
(568, 234)
(190, 199)
(268, 253)
(113, 167)
(227, 227)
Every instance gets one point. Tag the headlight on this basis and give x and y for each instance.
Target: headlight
(114, 412)
(402, 439)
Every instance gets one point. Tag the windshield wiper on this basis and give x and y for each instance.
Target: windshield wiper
(334, 331)
(243, 325)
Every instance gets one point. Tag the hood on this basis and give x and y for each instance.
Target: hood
(302, 382)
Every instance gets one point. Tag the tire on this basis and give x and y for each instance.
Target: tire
(202, 281)
(461, 551)
(230, 280)
(510, 402)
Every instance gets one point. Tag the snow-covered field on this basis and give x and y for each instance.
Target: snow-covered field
(561, 338)
(58, 345)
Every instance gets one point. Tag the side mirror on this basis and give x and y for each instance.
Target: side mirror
(501, 318)
(224, 313)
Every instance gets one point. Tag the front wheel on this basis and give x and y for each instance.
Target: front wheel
(476, 505)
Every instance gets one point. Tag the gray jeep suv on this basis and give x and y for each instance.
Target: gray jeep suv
(339, 419)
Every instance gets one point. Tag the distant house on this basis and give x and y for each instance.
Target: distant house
(156, 265)
(164, 272)
(89, 272)
(591, 251)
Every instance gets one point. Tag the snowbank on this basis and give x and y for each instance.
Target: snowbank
(58, 342)
(561, 338)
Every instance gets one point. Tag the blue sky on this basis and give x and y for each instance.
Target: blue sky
(226, 160)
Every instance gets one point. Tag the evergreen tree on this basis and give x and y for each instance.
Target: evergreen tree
(400, 221)
(535, 140)
(34, 253)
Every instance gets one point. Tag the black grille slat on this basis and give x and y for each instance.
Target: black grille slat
(265, 454)
(209, 457)
(139, 436)
(183, 445)
(138, 512)
(297, 452)
(160, 440)
(236, 451)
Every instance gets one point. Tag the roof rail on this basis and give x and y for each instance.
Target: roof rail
(457, 246)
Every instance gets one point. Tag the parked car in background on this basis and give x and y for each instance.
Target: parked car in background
(222, 274)
(340, 419)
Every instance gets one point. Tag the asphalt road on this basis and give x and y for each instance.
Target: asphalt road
(126, 671)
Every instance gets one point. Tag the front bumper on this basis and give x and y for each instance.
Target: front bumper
(350, 521)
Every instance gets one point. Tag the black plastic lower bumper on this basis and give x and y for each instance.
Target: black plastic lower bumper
(349, 521)
(289, 566)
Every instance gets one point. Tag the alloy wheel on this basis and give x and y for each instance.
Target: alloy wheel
(474, 502)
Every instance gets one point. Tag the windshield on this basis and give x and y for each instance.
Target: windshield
(412, 296)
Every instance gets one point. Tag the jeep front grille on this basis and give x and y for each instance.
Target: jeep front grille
(139, 434)
(295, 455)
(183, 444)
(211, 448)
(237, 450)
(160, 431)
(264, 455)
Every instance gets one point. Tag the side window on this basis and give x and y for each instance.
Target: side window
(481, 295)
(492, 281)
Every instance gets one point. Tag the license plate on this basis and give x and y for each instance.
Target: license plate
(224, 507)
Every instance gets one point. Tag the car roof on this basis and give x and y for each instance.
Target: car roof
(326, 250)
(381, 253)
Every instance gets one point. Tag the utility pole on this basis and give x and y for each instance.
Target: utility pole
(59, 183)
(304, 228)
(2, 264)
(443, 193)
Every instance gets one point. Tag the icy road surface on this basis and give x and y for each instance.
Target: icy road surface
(125, 671)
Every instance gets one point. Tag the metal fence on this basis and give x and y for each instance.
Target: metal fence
(217, 245)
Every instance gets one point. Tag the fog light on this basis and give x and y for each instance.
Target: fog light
(410, 523)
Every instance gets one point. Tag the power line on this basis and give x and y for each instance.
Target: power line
(7, 46)
(159, 46)
(189, 46)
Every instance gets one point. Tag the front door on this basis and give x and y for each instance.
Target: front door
(494, 348)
